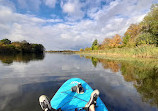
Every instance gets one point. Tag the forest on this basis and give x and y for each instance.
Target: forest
(7, 47)
(137, 38)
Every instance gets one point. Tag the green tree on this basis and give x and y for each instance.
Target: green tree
(6, 47)
(150, 23)
(95, 45)
(5, 41)
(125, 39)
(26, 48)
(146, 38)
(87, 49)
(37, 48)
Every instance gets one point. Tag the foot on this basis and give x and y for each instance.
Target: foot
(78, 88)
(92, 107)
(93, 98)
(44, 102)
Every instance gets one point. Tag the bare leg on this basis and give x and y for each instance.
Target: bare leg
(92, 108)
(92, 101)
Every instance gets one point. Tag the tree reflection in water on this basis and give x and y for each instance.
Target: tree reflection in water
(143, 74)
(21, 57)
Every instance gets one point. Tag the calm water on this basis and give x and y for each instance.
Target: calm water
(124, 86)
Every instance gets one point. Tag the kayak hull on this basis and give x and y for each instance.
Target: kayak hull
(67, 100)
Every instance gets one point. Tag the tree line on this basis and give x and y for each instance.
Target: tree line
(146, 32)
(7, 46)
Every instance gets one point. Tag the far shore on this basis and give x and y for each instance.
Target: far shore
(62, 51)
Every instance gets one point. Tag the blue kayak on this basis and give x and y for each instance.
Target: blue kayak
(68, 100)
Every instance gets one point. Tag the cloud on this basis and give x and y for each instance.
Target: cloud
(34, 29)
(29, 5)
(50, 3)
(8, 3)
(69, 8)
(73, 9)
(75, 30)
(118, 15)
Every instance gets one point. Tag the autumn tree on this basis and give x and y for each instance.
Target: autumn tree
(115, 41)
(105, 43)
(133, 31)
(131, 34)
(81, 49)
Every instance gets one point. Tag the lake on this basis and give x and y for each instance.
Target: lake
(123, 85)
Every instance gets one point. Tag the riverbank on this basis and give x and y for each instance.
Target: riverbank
(147, 51)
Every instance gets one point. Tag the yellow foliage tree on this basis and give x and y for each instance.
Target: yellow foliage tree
(115, 41)
(81, 49)
(131, 34)
(105, 43)
(133, 31)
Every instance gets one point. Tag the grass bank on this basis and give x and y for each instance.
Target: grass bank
(146, 51)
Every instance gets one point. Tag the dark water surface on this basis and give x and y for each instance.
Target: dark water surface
(123, 85)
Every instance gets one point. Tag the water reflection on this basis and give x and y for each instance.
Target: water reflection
(122, 85)
(112, 65)
(16, 96)
(21, 57)
(143, 74)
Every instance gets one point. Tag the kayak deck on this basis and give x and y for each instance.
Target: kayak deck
(68, 100)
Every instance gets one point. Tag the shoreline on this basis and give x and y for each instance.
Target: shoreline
(152, 61)
(115, 55)
(143, 52)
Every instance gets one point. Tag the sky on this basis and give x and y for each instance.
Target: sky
(68, 24)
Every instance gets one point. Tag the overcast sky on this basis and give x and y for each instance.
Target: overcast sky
(68, 24)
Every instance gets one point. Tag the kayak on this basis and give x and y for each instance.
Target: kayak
(67, 100)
